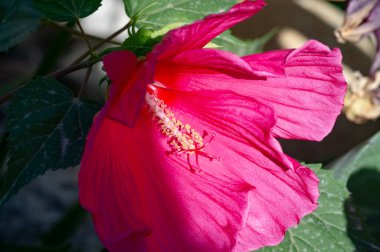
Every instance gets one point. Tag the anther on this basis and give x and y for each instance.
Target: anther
(183, 139)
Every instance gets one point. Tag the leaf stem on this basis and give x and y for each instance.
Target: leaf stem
(77, 65)
(101, 43)
(76, 33)
(84, 36)
(62, 72)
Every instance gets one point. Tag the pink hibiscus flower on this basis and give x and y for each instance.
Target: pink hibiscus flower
(183, 156)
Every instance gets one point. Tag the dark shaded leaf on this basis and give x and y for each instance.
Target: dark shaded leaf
(13, 8)
(65, 10)
(18, 21)
(48, 127)
(360, 169)
(364, 155)
(17, 9)
(13, 32)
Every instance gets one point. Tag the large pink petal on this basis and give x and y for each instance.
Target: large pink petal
(284, 190)
(142, 199)
(119, 66)
(195, 35)
(218, 60)
(271, 63)
(145, 200)
(310, 97)
(305, 86)
(198, 34)
(278, 205)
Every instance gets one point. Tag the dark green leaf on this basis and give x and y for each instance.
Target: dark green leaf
(17, 9)
(156, 14)
(360, 169)
(325, 229)
(13, 32)
(363, 209)
(19, 20)
(65, 10)
(366, 155)
(10, 87)
(15, 5)
(48, 127)
(228, 42)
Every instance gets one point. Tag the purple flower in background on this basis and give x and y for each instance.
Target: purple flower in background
(362, 19)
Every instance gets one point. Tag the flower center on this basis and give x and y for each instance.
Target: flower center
(183, 139)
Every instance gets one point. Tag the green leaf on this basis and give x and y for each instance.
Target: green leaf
(65, 10)
(360, 169)
(13, 8)
(141, 42)
(19, 21)
(172, 14)
(17, 9)
(363, 209)
(229, 42)
(7, 88)
(156, 14)
(13, 32)
(325, 228)
(47, 127)
(366, 155)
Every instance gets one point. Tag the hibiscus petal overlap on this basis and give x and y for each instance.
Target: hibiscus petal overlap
(183, 157)
(153, 200)
(304, 86)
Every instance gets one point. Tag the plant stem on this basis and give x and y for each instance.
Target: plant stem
(84, 36)
(103, 42)
(77, 65)
(75, 32)
(62, 72)
(57, 74)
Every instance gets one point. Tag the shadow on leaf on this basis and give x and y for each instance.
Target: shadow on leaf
(362, 209)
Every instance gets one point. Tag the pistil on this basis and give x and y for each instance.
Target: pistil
(182, 138)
